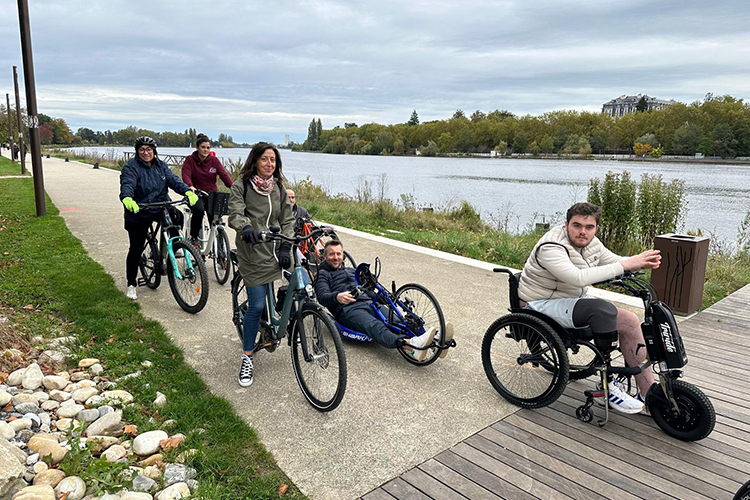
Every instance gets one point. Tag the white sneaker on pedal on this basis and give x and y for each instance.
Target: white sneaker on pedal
(423, 340)
(620, 400)
(131, 293)
(245, 378)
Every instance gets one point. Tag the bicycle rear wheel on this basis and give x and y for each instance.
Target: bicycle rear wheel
(421, 312)
(221, 256)
(190, 292)
(323, 378)
(149, 263)
(514, 350)
(349, 260)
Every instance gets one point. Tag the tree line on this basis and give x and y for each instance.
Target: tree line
(715, 126)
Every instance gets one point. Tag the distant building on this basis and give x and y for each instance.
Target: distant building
(628, 103)
(286, 139)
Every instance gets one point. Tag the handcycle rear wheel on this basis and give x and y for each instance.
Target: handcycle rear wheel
(190, 292)
(221, 256)
(420, 303)
(149, 263)
(514, 349)
(694, 421)
(322, 379)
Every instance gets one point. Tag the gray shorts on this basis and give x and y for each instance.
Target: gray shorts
(561, 310)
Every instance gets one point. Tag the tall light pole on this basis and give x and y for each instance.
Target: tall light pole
(19, 120)
(10, 127)
(31, 111)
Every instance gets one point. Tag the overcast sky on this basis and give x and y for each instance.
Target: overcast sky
(259, 70)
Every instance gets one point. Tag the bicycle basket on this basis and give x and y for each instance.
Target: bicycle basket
(218, 203)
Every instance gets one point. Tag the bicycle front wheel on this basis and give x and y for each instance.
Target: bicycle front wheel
(149, 263)
(525, 360)
(190, 292)
(322, 379)
(421, 312)
(221, 256)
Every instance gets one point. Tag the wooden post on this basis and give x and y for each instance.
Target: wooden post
(20, 122)
(10, 127)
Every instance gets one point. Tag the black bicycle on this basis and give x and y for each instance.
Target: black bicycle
(170, 254)
(525, 358)
(213, 238)
(316, 350)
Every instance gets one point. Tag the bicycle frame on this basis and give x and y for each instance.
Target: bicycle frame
(163, 226)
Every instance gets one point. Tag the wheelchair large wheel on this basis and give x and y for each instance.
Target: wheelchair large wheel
(513, 351)
(694, 421)
(581, 362)
(421, 312)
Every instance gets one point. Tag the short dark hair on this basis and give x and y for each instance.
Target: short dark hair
(251, 168)
(584, 208)
(332, 243)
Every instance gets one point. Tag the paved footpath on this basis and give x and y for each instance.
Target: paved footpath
(394, 415)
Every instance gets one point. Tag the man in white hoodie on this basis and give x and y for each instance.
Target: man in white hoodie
(555, 280)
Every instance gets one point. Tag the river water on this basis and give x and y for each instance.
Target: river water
(512, 192)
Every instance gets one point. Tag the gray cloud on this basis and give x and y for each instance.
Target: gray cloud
(258, 72)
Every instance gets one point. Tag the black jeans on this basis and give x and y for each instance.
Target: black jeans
(197, 219)
(137, 232)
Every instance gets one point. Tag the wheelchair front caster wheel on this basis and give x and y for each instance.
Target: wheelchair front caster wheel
(584, 414)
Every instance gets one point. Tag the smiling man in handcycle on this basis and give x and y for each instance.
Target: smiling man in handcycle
(334, 285)
(555, 280)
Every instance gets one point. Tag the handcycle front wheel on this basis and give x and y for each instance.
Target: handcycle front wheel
(323, 378)
(525, 360)
(421, 313)
(221, 256)
(696, 418)
(149, 263)
(190, 292)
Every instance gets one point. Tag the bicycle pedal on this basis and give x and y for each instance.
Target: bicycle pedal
(141, 282)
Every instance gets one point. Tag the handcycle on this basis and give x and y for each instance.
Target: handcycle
(184, 267)
(312, 248)
(316, 350)
(214, 241)
(525, 357)
(410, 310)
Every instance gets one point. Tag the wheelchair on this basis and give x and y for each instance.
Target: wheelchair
(529, 358)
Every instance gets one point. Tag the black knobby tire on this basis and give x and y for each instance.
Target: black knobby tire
(221, 256)
(696, 418)
(323, 379)
(149, 263)
(513, 350)
(422, 313)
(239, 304)
(191, 292)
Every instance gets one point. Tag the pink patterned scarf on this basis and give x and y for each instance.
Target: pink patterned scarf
(261, 185)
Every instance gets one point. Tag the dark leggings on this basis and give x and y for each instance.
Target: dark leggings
(197, 219)
(137, 232)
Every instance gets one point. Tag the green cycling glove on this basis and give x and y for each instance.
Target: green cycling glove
(192, 197)
(130, 204)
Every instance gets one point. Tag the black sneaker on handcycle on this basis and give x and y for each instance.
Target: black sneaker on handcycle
(410, 310)
(529, 357)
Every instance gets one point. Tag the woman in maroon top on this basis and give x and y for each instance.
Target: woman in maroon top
(200, 170)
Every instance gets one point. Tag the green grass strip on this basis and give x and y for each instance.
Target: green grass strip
(43, 265)
(7, 167)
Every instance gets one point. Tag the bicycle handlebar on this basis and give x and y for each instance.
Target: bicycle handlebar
(161, 204)
(266, 236)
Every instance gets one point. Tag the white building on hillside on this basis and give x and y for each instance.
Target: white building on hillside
(628, 104)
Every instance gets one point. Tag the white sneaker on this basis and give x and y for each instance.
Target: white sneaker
(131, 293)
(423, 340)
(447, 338)
(245, 378)
(620, 400)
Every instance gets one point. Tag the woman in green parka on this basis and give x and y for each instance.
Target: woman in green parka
(256, 204)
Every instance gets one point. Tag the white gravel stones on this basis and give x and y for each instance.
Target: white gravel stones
(123, 397)
(160, 401)
(94, 401)
(6, 431)
(87, 415)
(50, 405)
(23, 398)
(5, 398)
(148, 442)
(59, 395)
(78, 376)
(69, 411)
(26, 408)
(64, 424)
(36, 492)
(143, 483)
(87, 362)
(46, 444)
(32, 377)
(11, 467)
(40, 467)
(81, 395)
(136, 495)
(16, 377)
(105, 410)
(20, 423)
(108, 425)
(54, 382)
(73, 485)
(100, 443)
(96, 369)
(178, 490)
(176, 473)
(49, 477)
(115, 453)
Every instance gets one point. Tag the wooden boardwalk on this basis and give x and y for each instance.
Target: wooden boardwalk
(549, 454)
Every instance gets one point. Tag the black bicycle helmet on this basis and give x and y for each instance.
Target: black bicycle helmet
(145, 140)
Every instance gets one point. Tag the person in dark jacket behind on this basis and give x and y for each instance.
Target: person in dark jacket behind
(199, 171)
(145, 179)
(301, 215)
(332, 287)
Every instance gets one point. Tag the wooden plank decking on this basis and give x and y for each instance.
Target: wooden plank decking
(549, 454)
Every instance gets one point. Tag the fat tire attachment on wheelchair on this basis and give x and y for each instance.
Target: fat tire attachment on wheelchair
(513, 349)
(696, 418)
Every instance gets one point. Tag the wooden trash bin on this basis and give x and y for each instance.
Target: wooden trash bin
(678, 281)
